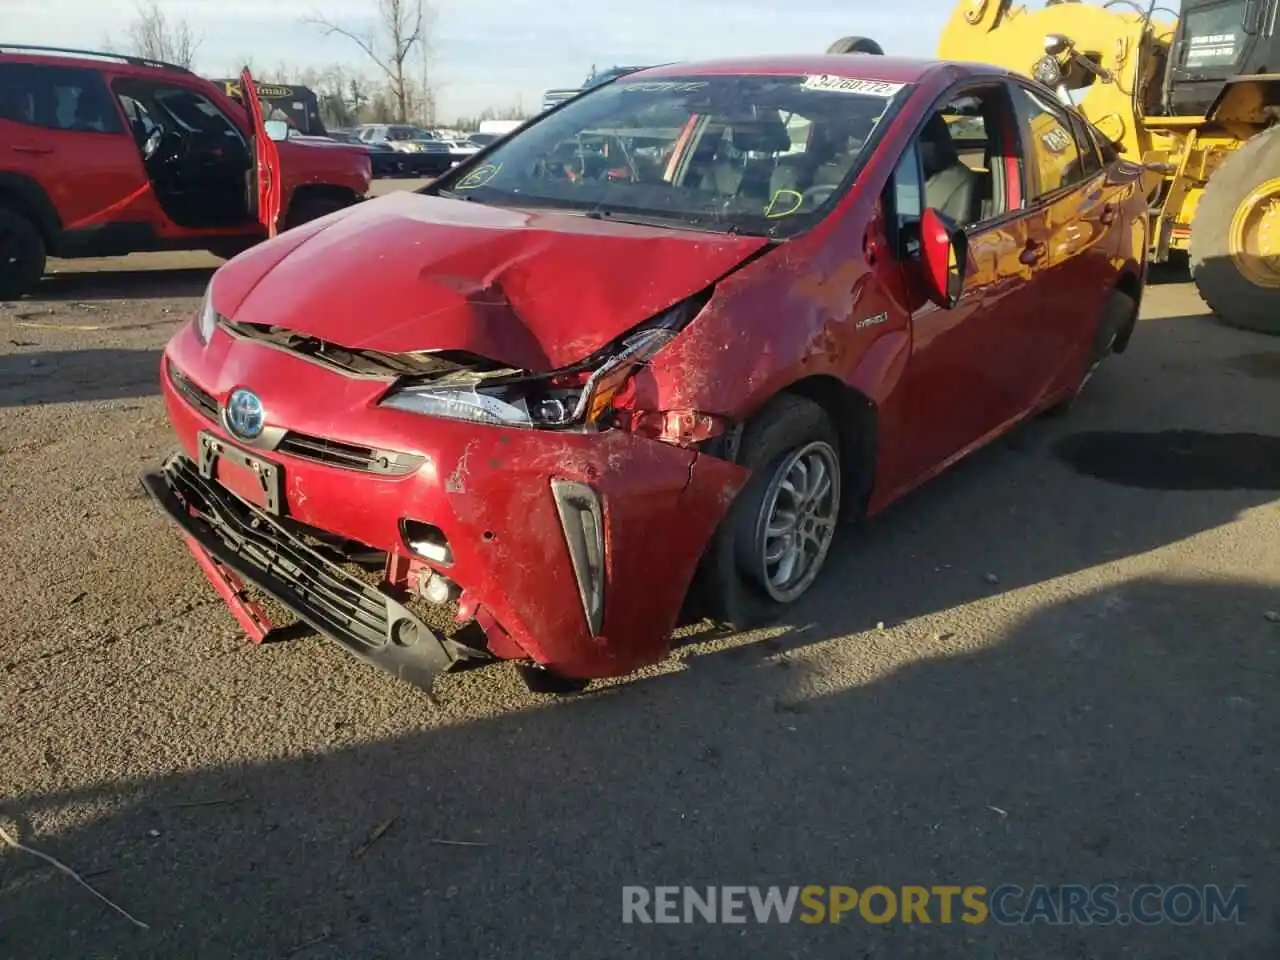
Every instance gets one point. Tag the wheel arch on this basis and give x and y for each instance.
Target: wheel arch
(317, 191)
(25, 195)
(856, 419)
(1128, 284)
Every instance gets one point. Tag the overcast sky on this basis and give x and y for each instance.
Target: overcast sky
(499, 52)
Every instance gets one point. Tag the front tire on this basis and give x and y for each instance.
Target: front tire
(22, 254)
(1235, 239)
(774, 540)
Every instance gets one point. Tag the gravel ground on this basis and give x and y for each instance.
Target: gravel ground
(1053, 665)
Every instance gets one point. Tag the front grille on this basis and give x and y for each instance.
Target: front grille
(333, 453)
(194, 395)
(349, 456)
(363, 619)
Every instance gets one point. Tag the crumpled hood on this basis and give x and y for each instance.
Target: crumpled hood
(408, 272)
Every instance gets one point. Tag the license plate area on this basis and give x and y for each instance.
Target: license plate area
(249, 477)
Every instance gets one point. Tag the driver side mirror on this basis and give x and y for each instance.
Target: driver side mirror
(277, 130)
(944, 254)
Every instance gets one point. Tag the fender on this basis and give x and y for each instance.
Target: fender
(34, 201)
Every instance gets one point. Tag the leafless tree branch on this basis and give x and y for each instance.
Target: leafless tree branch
(151, 35)
(402, 31)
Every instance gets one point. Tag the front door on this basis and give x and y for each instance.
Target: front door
(264, 179)
(964, 379)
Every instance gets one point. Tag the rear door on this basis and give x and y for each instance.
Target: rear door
(1071, 197)
(60, 127)
(265, 188)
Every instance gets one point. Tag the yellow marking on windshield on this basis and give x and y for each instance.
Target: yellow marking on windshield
(773, 214)
(479, 177)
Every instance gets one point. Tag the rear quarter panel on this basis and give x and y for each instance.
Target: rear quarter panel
(1133, 226)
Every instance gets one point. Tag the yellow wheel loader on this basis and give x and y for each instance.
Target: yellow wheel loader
(1195, 98)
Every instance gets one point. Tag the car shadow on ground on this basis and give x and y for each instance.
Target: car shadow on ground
(1125, 737)
(158, 284)
(66, 376)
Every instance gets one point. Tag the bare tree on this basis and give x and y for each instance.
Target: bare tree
(402, 30)
(153, 36)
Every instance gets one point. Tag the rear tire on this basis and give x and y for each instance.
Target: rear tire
(856, 45)
(1115, 326)
(22, 254)
(737, 585)
(1237, 299)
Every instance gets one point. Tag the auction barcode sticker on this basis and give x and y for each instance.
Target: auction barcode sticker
(833, 84)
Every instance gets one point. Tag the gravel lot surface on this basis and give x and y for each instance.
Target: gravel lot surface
(1075, 682)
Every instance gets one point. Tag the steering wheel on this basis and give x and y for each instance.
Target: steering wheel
(816, 196)
(173, 147)
(152, 143)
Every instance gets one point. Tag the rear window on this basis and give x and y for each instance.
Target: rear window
(766, 155)
(58, 98)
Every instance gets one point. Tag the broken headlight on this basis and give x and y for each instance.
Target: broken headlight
(207, 318)
(580, 395)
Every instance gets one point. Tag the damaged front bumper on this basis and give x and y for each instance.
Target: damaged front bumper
(569, 549)
(247, 541)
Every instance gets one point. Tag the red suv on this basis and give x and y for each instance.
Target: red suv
(104, 155)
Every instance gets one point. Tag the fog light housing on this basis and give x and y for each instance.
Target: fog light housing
(582, 521)
(426, 540)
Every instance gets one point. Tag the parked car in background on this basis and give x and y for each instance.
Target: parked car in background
(384, 161)
(596, 386)
(553, 97)
(400, 136)
(461, 149)
(484, 139)
(108, 155)
(499, 127)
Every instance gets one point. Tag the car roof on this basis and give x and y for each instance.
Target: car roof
(852, 65)
(120, 64)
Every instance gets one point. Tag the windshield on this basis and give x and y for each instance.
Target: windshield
(1213, 35)
(743, 154)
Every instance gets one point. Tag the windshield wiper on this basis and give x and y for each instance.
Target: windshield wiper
(655, 220)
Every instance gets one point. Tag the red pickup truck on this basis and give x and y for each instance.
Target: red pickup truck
(105, 155)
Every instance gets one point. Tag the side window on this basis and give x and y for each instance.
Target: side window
(1106, 149)
(195, 113)
(1090, 163)
(907, 192)
(1049, 144)
(57, 98)
(962, 153)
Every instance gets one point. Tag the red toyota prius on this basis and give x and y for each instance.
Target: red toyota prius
(641, 356)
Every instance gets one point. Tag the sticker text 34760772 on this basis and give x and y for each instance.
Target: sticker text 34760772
(833, 84)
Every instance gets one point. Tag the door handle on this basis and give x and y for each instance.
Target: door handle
(34, 151)
(1108, 216)
(1033, 254)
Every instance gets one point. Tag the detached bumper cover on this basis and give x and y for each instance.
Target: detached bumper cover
(363, 620)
